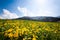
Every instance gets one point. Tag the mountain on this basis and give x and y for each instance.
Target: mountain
(41, 18)
(58, 17)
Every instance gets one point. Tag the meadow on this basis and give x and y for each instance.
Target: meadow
(29, 30)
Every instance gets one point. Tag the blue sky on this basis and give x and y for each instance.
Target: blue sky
(19, 8)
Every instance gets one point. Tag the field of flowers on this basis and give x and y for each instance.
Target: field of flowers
(29, 30)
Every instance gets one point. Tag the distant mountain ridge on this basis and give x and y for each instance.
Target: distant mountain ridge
(38, 18)
(58, 17)
(41, 18)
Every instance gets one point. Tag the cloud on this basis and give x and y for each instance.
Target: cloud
(40, 8)
(8, 15)
(25, 11)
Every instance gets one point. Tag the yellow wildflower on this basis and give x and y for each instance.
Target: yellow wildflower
(9, 30)
(15, 34)
(33, 38)
(47, 29)
(37, 30)
(23, 38)
(10, 35)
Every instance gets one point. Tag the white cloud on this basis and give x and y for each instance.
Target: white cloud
(40, 8)
(25, 12)
(8, 15)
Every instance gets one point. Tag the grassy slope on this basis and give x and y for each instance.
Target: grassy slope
(41, 30)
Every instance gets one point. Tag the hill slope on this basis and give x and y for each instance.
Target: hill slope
(41, 18)
(29, 30)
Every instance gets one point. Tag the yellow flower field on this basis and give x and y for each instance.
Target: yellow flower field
(29, 30)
